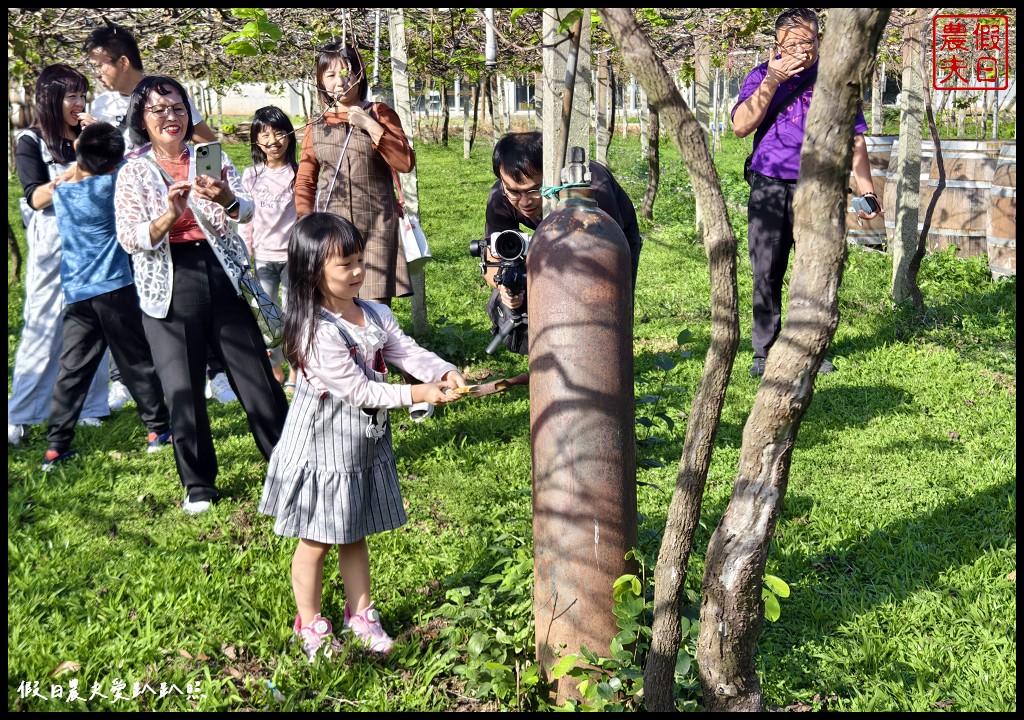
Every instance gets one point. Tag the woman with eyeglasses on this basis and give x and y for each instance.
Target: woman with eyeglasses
(187, 261)
(43, 157)
(350, 154)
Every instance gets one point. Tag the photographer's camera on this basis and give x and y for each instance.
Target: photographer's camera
(510, 248)
(506, 245)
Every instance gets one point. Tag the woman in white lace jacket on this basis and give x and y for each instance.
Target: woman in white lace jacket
(187, 260)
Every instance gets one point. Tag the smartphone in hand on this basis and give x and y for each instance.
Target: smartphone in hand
(865, 204)
(208, 159)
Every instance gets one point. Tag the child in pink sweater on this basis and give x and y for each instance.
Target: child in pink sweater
(271, 182)
(332, 478)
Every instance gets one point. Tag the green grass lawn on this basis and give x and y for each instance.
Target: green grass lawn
(897, 537)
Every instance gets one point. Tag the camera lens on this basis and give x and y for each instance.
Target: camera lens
(509, 245)
(474, 248)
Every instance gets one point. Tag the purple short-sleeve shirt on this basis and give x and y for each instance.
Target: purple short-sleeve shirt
(777, 148)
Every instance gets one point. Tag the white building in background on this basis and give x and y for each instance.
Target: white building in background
(245, 99)
(297, 97)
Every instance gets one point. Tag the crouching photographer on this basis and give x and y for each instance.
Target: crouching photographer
(515, 200)
(503, 264)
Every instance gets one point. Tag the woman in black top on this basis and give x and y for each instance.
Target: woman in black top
(44, 156)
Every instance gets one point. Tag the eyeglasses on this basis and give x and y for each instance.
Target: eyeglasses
(515, 196)
(797, 46)
(163, 110)
(96, 68)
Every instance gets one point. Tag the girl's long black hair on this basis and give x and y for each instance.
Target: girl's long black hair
(272, 117)
(315, 238)
(56, 81)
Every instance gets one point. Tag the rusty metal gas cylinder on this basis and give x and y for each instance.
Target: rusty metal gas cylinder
(582, 427)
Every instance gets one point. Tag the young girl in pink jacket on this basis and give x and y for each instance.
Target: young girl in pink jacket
(332, 478)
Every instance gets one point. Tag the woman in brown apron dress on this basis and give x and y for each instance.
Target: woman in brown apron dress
(350, 153)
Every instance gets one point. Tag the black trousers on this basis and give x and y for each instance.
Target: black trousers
(213, 367)
(111, 320)
(206, 312)
(769, 241)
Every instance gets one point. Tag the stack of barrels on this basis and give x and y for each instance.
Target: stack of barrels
(968, 200)
(1002, 215)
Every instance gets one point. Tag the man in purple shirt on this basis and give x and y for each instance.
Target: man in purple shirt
(774, 101)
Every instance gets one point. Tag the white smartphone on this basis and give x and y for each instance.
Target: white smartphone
(208, 159)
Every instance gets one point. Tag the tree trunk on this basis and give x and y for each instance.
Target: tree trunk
(627, 106)
(611, 98)
(716, 138)
(497, 106)
(877, 111)
(654, 170)
(943, 97)
(705, 414)
(467, 141)
(445, 114)
(642, 116)
(476, 110)
(601, 131)
(907, 247)
(489, 99)
(702, 83)
(409, 180)
(986, 110)
(702, 110)
(507, 105)
(732, 611)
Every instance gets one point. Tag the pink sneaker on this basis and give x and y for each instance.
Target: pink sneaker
(366, 626)
(314, 635)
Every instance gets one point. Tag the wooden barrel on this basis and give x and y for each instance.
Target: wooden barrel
(870, 233)
(1002, 214)
(959, 214)
(958, 199)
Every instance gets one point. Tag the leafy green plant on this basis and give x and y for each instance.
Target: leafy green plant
(494, 625)
(773, 589)
(615, 682)
(256, 36)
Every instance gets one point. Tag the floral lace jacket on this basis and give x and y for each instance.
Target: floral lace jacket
(141, 197)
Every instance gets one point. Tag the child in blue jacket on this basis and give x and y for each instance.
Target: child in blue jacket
(102, 304)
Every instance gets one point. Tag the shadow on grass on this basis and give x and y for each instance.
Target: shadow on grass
(886, 565)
